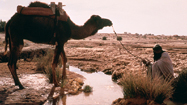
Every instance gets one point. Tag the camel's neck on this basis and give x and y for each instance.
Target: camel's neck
(81, 32)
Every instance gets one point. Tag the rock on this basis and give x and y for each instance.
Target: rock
(136, 101)
(79, 80)
(22, 60)
(27, 53)
(28, 59)
(119, 101)
(72, 92)
(75, 85)
(35, 92)
(107, 71)
(151, 102)
(26, 96)
(88, 69)
(131, 101)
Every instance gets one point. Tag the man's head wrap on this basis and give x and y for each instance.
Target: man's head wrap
(157, 47)
(157, 56)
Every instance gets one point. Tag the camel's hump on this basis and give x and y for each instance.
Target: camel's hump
(38, 4)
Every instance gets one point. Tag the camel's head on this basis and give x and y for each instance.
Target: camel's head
(98, 22)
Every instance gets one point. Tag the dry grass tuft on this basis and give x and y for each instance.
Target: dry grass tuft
(44, 65)
(135, 86)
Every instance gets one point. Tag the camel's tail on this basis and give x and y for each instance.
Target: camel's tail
(6, 37)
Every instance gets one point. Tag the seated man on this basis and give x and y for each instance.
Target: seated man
(162, 65)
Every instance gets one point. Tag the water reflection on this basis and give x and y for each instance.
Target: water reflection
(57, 100)
(88, 94)
(105, 91)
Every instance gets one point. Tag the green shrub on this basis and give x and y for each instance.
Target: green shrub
(180, 87)
(104, 38)
(135, 86)
(87, 89)
(119, 38)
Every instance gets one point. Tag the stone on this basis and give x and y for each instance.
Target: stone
(107, 71)
(119, 101)
(26, 96)
(79, 80)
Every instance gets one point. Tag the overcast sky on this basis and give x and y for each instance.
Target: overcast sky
(167, 17)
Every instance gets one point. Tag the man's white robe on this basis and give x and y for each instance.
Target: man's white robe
(163, 66)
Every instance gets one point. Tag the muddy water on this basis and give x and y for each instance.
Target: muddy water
(105, 91)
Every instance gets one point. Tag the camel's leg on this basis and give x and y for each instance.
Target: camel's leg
(14, 54)
(54, 64)
(64, 61)
(51, 93)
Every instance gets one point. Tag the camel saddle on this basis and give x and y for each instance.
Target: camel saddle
(40, 11)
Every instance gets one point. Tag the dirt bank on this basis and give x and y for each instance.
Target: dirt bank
(37, 87)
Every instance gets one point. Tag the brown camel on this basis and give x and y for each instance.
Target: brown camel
(41, 29)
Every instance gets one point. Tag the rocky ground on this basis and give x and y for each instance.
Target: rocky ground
(95, 54)
(91, 54)
(37, 87)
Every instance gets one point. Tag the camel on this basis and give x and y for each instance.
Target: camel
(41, 29)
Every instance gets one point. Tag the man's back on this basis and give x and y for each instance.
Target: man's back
(163, 66)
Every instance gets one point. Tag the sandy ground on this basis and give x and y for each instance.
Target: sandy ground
(94, 54)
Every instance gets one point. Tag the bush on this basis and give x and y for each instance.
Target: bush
(2, 25)
(104, 38)
(44, 62)
(87, 89)
(138, 86)
(119, 38)
(180, 87)
(44, 65)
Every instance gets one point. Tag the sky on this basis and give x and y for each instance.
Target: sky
(168, 17)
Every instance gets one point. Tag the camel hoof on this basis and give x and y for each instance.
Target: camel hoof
(56, 85)
(21, 87)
